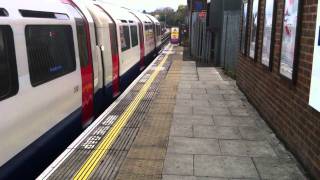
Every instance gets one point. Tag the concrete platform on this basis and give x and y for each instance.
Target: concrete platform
(192, 124)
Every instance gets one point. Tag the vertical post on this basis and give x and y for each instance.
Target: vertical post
(190, 28)
(165, 19)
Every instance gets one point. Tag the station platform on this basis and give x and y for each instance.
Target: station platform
(177, 121)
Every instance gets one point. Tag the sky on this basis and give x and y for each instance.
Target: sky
(148, 5)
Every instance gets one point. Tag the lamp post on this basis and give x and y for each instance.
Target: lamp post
(165, 19)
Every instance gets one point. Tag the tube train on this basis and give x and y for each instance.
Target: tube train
(62, 62)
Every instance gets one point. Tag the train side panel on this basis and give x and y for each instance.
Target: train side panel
(49, 90)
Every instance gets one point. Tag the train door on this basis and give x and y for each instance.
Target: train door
(114, 53)
(115, 59)
(86, 63)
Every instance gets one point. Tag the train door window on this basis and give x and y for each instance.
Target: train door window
(82, 42)
(151, 31)
(134, 35)
(124, 38)
(50, 52)
(159, 30)
(113, 39)
(8, 67)
(146, 31)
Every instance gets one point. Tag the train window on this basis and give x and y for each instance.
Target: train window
(50, 51)
(134, 35)
(82, 43)
(125, 38)
(3, 12)
(8, 67)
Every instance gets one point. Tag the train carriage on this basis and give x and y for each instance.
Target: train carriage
(148, 35)
(61, 64)
(43, 99)
(157, 32)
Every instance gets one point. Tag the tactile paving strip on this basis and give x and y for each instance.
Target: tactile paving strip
(111, 162)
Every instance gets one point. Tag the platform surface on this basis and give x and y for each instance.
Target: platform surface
(178, 122)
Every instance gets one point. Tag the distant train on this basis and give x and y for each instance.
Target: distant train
(61, 64)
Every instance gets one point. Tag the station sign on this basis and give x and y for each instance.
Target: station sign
(174, 35)
(314, 99)
(199, 5)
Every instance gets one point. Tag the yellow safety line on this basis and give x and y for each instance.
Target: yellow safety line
(91, 163)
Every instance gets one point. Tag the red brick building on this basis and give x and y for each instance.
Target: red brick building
(275, 71)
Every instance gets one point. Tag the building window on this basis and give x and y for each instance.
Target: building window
(289, 38)
(124, 38)
(8, 68)
(267, 44)
(244, 27)
(253, 28)
(50, 51)
(134, 35)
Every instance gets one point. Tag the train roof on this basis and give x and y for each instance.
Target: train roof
(25, 8)
(141, 16)
(117, 13)
(155, 20)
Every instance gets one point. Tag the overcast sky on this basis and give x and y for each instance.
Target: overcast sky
(148, 5)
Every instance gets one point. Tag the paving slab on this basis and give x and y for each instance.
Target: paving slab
(239, 111)
(226, 86)
(235, 104)
(200, 97)
(211, 111)
(184, 96)
(122, 176)
(192, 102)
(281, 169)
(182, 130)
(193, 119)
(142, 166)
(232, 97)
(215, 97)
(175, 177)
(193, 90)
(184, 145)
(234, 121)
(182, 109)
(246, 148)
(152, 153)
(224, 166)
(252, 133)
(217, 132)
(178, 164)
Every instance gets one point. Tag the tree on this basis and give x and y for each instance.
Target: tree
(171, 17)
(181, 14)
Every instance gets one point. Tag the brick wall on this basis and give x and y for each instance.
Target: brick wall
(282, 104)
